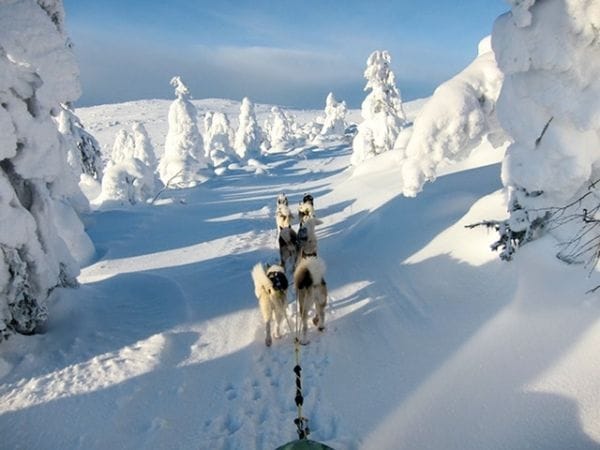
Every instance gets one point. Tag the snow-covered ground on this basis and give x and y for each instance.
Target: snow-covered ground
(431, 341)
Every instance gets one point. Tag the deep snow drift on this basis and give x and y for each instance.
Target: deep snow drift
(431, 341)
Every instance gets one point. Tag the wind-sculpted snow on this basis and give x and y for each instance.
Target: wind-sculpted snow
(458, 116)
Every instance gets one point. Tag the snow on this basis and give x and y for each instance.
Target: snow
(431, 341)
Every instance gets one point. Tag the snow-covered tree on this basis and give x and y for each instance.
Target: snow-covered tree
(83, 150)
(219, 139)
(334, 123)
(207, 121)
(123, 147)
(458, 116)
(143, 149)
(280, 131)
(184, 149)
(382, 113)
(249, 135)
(550, 57)
(129, 175)
(127, 182)
(41, 236)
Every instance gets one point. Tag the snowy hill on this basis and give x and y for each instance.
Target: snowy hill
(431, 341)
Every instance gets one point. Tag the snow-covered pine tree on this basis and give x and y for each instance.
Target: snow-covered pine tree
(280, 131)
(382, 113)
(184, 150)
(207, 121)
(41, 236)
(143, 149)
(219, 139)
(123, 147)
(126, 182)
(334, 123)
(249, 135)
(128, 177)
(84, 155)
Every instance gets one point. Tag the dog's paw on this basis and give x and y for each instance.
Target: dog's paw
(321, 328)
(268, 341)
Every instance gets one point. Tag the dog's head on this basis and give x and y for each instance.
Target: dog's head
(282, 199)
(276, 274)
(308, 199)
(283, 216)
(305, 211)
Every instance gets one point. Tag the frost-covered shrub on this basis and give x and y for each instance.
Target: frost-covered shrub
(184, 148)
(381, 110)
(460, 113)
(41, 236)
(550, 57)
(249, 135)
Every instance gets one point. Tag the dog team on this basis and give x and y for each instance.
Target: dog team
(298, 256)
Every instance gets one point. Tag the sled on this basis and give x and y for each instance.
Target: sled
(304, 444)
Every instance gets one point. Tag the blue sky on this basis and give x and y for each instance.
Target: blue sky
(282, 52)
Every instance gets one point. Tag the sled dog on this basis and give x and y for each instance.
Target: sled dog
(311, 290)
(306, 209)
(288, 248)
(307, 238)
(282, 199)
(283, 217)
(270, 288)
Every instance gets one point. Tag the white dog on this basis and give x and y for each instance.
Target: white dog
(311, 291)
(283, 217)
(306, 209)
(270, 288)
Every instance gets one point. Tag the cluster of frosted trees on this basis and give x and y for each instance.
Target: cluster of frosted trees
(191, 156)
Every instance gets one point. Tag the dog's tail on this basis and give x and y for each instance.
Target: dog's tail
(260, 279)
(310, 272)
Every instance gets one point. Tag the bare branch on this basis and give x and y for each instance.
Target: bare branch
(165, 187)
(538, 140)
